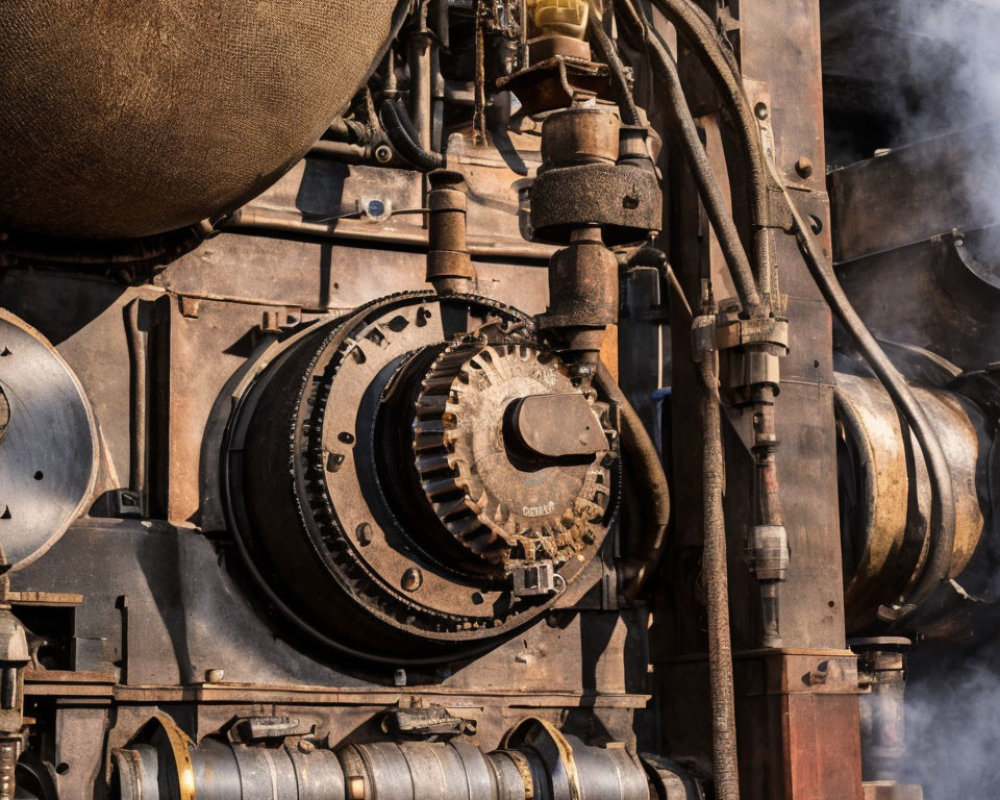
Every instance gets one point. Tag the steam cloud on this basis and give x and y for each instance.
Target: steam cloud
(947, 78)
(953, 728)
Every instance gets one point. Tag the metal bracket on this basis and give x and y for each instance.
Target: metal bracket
(422, 722)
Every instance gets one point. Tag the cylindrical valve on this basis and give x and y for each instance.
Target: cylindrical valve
(449, 266)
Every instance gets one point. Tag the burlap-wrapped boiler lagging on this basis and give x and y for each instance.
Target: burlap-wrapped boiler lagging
(124, 118)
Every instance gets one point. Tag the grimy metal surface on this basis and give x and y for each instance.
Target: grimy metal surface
(371, 479)
(155, 610)
(797, 738)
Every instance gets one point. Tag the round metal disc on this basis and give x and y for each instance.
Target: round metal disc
(48, 452)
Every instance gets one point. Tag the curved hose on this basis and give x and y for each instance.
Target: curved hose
(943, 501)
(399, 129)
(643, 457)
(697, 29)
(626, 103)
(708, 188)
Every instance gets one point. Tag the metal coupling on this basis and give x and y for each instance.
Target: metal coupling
(753, 351)
(583, 298)
(702, 337)
(584, 181)
(769, 552)
(449, 266)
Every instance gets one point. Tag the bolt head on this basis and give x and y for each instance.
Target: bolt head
(412, 579)
(804, 166)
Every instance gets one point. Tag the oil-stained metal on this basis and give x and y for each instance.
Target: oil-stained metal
(393, 428)
(535, 761)
(583, 298)
(583, 183)
(575, 200)
(499, 502)
(554, 426)
(557, 82)
(886, 494)
(449, 267)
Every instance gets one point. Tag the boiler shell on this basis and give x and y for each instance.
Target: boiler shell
(125, 118)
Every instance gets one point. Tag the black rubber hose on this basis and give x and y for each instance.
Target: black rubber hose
(399, 129)
(699, 32)
(942, 538)
(626, 103)
(341, 151)
(708, 188)
(642, 457)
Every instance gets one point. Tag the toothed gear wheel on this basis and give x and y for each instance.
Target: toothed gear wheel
(503, 508)
(332, 520)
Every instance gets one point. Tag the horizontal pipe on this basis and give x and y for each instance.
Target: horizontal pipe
(251, 219)
(538, 762)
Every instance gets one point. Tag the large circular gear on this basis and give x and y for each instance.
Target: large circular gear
(502, 506)
(333, 518)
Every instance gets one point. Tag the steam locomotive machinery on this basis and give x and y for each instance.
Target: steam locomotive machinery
(340, 359)
(367, 543)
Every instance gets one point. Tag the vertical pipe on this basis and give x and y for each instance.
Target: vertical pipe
(437, 101)
(770, 540)
(390, 89)
(419, 45)
(139, 363)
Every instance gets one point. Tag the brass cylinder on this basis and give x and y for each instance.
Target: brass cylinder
(886, 491)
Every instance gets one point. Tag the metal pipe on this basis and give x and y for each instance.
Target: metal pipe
(537, 761)
(139, 365)
(390, 88)
(342, 151)
(252, 219)
(769, 537)
(943, 502)
(419, 46)
(715, 568)
(708, 188)
(449, 267)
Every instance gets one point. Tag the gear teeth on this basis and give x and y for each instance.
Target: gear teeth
(445, 421)
(431, 406)
(432, 464)
(443, 487)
